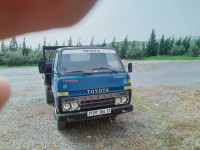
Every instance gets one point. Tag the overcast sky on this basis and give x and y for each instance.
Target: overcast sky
(119, 18)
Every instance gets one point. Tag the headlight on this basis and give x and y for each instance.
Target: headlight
(66, 107)
(124, 99)
(62, 93)
(117, 101)
(74, 106)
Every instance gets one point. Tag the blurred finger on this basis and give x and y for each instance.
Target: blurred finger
(22, 16)
(4, 91)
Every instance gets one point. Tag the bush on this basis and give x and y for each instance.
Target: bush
(134, 52)
(34, 57)
(14, 58)
(1, 61)
(177, 50)
(195, 50)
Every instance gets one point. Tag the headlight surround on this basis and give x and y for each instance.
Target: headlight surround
(121, 100)
(66, 107)
(124, 99)
(70, 106)
(74, 106)
(117, 101)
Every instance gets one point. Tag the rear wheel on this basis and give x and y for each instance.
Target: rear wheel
(49, 95)
(113, 117)
(60, 125)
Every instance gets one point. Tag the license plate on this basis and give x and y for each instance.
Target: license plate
(98, 112)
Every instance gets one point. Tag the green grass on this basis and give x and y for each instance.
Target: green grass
(166, 57)
(30, 65)
(3, 66)
(184, 57)
(170, 139)
(18, 66)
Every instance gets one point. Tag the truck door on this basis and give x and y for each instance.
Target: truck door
(54, 70)
(49, 57)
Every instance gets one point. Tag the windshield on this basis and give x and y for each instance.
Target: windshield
(90, 61)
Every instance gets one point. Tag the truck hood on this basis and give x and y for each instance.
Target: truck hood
(84, 84)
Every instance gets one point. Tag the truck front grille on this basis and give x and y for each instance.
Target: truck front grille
(92, 101)
(97, 103)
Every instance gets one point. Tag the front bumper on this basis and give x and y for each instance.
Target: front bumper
(80, 116)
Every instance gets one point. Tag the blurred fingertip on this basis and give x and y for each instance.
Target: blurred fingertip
(4, 91)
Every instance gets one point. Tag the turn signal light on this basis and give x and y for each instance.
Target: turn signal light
(129, 80)
(127, 87)
(62, 93)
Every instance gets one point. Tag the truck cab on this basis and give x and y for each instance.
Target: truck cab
(85, 83)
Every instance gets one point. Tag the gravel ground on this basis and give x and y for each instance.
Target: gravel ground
(166, 99)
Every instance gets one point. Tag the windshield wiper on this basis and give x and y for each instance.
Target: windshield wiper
(79, 71)
(105, 68)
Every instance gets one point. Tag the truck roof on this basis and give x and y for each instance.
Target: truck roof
(61, 48)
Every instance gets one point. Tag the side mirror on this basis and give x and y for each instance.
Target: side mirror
(130, 67)
(42, 66)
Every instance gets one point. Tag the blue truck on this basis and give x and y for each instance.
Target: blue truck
(85, 83)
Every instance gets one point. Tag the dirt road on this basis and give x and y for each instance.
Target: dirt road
(166, 99)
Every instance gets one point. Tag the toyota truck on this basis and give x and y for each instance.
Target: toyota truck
(85, 83)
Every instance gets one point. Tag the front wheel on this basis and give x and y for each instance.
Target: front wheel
(113, 117)
(60, 125)
(49, 95)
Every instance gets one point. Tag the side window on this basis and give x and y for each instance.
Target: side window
(56, 63)
(113, 61)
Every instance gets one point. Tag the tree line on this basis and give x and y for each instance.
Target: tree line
(165, 46)
(16, 54)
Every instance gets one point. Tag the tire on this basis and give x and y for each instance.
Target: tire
(49, 95)
(113, 117)
(60, 125)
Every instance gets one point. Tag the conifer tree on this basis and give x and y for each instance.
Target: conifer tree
(172, 43)
(56, 44)
(162, 45)
(198, 42)
(134, 44)
(113, 43)
(20, 47)
(186, 43)
(13, 44)
(79, 42)
(178, 43)
(92, 41)
(152, 46)
(167, 46)
(144, 49)
(30, 49)
(45, 43)
(124, 48)
(3, 47)
(25, 49)
(39, 47)
(104, 43)
(117, 48)
(70, 41)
